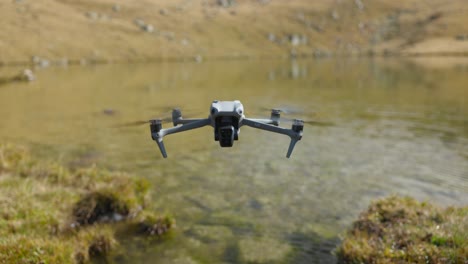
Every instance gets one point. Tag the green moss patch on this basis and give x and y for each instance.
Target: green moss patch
(403, 230)
(51, 214)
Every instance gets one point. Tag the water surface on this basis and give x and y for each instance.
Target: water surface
(393, 127)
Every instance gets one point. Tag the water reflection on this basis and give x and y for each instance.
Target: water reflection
(397, 128)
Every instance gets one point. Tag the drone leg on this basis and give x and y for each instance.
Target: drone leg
(155, 127)
(291, 147)
(161, 147)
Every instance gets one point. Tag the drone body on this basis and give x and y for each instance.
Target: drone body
(226, 117)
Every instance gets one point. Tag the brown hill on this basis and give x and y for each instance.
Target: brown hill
(121, 30)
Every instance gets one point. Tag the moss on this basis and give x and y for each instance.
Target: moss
(51, 214)
(100, 206)
(403, 230)
(155, 226)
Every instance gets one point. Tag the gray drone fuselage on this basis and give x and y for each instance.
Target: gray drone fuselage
(226, 117)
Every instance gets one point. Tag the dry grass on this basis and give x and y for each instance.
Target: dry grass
(50, 214)
(402, 230)
(94, 31)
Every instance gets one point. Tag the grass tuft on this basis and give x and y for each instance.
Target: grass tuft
(51, 214)
(403, 230)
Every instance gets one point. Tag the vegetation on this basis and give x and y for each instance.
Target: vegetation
(51, 214)
(403, 230)
(119, 30)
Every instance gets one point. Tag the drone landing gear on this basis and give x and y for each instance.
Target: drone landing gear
(297, 127)
(155, 127)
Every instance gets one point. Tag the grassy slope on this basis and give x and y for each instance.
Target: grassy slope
(50, 214)
(57, 29)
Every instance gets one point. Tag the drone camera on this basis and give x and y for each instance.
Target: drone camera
(226, 136)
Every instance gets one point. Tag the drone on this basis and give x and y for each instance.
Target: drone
(226, 117)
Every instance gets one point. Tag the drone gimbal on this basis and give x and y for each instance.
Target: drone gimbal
(226, 117)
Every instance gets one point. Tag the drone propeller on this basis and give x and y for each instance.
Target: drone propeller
(276, 113)
(168, 117)
(311, 122)
(288, 110)
(143, 122)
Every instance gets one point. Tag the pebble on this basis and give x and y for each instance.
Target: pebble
(184, 42)
(335, 15)
(271, 37)
(62, 62)
(28, 75)
(139, 22)
(304, 40)
(294, 39)
(198, 59)
(359, 4)
(461, 37)
(92, 15)
(148, 28)
(226, 3)
(36, 60)
(116, 8)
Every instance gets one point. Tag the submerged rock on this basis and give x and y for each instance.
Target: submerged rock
(263, 250)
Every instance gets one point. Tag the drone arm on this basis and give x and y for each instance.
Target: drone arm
(295, 133)
(266, 121)
(265, 126)
(184, 127)
(158, 135)
(181, 121)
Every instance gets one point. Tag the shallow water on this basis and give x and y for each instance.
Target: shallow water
(394, 127)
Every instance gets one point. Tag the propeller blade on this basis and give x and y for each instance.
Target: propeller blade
(141, 122)
(309, 122)
(289, 110)
(318, 123)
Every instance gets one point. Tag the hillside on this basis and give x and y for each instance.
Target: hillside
(66, 31)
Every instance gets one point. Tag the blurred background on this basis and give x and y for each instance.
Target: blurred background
(386, 82)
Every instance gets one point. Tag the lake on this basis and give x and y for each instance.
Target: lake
(390, 126)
